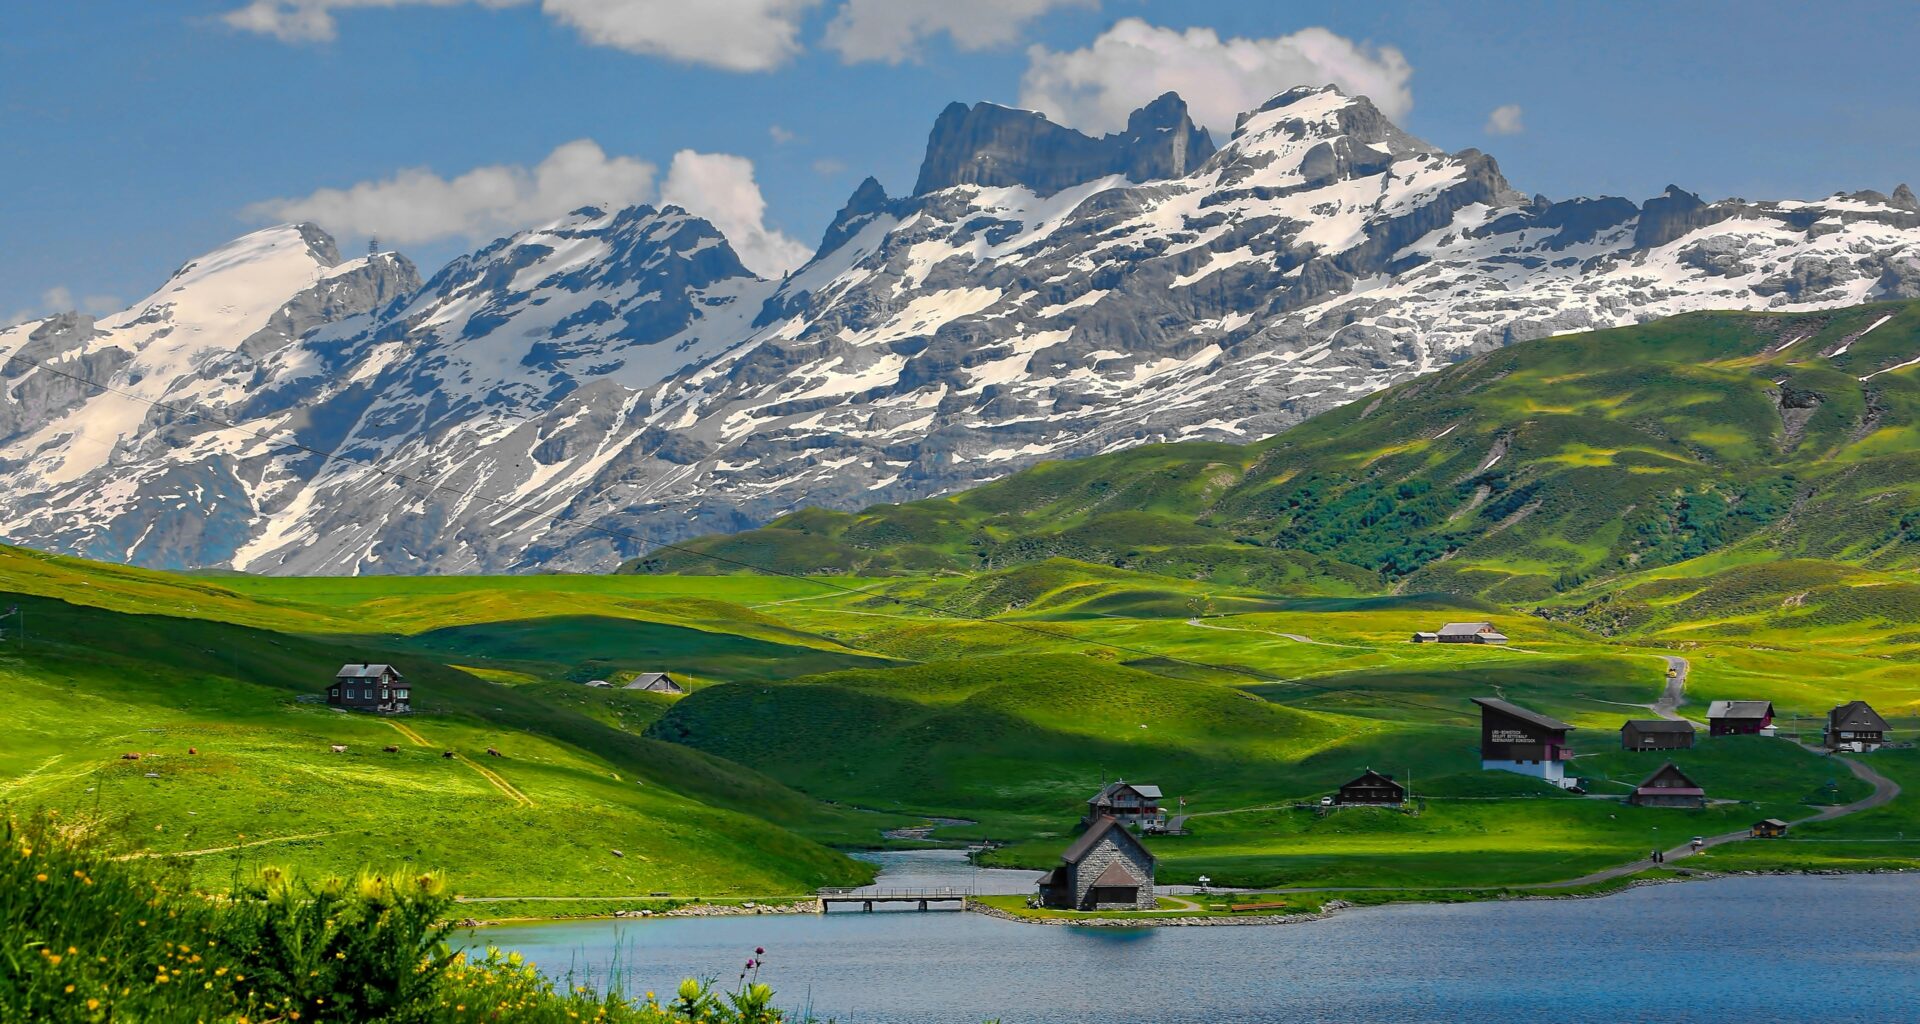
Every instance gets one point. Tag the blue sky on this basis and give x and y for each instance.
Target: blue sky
(135, 135)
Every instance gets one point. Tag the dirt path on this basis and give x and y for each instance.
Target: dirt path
(506, 789)
(1295, 637)
(1676, 693)
(144, 854)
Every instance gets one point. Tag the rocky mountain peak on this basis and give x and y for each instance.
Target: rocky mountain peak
(1903, 197)
(987, 144)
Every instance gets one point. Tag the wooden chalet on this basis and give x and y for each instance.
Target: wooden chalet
(1668, 787)
(1513, 739)
(655, 682)
(1470, 633)
(1739, 717)
(1105, 869)
(1128, 803)
(1770, 828)
(1372, 788)
(1656, 734)
(377, 688)
(1856, 727)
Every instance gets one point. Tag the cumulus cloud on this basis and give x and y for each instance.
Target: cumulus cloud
(891, 30)
(416, 205)
(1505, 120)
(1095, 87)
(738, 35)
(721, 188)
(60, 299)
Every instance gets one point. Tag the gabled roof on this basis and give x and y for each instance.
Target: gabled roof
(1659, 725)
(1856, 715)
(1373, 778)
(1117, 874)
(1148, 792)
(1676, 782)
(1496, 704)
(1775, 822)
(1464, 628)
(364, 671)
(1099, 830)
(1740, 709)
(657, 681)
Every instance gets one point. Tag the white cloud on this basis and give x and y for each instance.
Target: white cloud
(1096, 87)
(891, 30)
(721, 188)
(60, 299)
(780, 136)
(827, 167)
(1505, 120)
(417, 205)
(738, 35)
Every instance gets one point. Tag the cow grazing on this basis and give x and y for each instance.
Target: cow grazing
(193, 750)
(338, 748)
(447, 754)
(390, 750)
(494, 753)
(129, 756)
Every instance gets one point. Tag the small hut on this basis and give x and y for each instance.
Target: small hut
(1770, 828)
(1470, 633)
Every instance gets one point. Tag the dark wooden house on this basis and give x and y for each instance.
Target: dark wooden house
(1105, 869)
(1513, 739)
(1470, 633)
(378, 688)
(1739, 717)
(1656, 734)
(1126, 802)
(655, 682)
(1372, 788)
(1770, 828)
(1855, 726)
(1668, 787)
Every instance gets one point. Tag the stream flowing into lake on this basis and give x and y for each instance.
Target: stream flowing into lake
(1827, 948)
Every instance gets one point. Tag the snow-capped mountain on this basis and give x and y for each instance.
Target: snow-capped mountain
(1041, 294)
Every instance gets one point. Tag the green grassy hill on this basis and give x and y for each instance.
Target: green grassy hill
(1518, 476)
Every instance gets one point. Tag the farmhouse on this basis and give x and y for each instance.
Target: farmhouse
(1739, 717)
(1470, 633)
(378, 688)
(1105, 869)
(1855, 726)
(1669, 787)
(655, 682)
(1656, 734)
(1513, 739)
(1126, 803)
(1770, 828)
(1372, 788)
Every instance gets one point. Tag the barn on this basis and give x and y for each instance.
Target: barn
(1739, 717)
(1372, 788)
(377, 688)
(1470, 633)
(1514, 739)
(1668, 787)
(1656, 734)
(655, 682)
(1105, 869)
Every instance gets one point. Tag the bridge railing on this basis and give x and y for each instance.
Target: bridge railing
(938, 893)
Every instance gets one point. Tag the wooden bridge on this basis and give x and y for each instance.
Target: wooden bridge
(948, 898)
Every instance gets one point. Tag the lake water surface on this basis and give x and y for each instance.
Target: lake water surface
(1749, 948)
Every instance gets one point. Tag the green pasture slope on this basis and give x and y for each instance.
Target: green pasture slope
(1228, 622)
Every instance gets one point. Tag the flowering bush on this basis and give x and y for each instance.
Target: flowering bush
(86, 937)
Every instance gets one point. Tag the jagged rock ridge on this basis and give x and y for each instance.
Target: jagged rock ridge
(622, 381)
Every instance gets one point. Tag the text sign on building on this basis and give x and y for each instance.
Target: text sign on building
(1510, 736)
